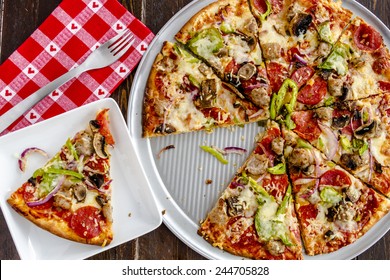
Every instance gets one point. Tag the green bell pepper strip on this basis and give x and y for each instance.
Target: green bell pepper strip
(263, 195)
(206, 41)
(278, 169)
(72, 149)
(75, 174)
(282, 98)
(273, 228)
(325, 32)
(282, 209)
(337, 60)
(215, 153)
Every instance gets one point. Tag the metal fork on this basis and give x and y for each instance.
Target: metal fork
(103, 56)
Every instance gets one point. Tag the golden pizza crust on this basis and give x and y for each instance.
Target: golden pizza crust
(55, 224)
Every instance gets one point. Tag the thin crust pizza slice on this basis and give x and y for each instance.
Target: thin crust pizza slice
(254, 217)
(224, 35)
(334, 208)
(295, 37)
(183, 94)
(354, 134)
(70, 196)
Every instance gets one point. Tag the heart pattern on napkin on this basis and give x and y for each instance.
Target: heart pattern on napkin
(63, 41)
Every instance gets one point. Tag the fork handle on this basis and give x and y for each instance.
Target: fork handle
(15, 112)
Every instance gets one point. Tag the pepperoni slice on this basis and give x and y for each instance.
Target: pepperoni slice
(302, 75)
(367, 38)
(384, 86)
(307, 212)
(313, 94)
(306, 125)
(335, 177)
(381, 65)
(85, 222)
(276, 185)
(277, 73)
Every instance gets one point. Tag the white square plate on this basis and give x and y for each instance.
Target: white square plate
(134, 209)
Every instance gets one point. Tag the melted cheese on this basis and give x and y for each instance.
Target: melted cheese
(376, 147)
(90, 200)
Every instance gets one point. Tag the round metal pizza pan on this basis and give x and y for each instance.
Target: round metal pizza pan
(178, 177)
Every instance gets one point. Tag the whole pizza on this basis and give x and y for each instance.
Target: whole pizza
(317, 77)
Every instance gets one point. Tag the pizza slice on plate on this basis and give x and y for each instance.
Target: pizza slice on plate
(224, 34)
(355, 135)
(70, 196)
(254, 217)
(183, 94)
(333, 207)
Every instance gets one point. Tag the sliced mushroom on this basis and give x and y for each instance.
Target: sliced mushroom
(79, 192)
(367, 130)
(97, 179)
(351, 161)
(329, 235)
(100, 200)
(341, 121)
(100, 146)
(300, 23)
(249, 38)
(234, 207)
(165, 129)
(207, 94)
(247, 71)
(94, 125)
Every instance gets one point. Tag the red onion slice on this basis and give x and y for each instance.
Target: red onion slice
(48, 196)
(234, 150)
(22, 162)
(333, 144)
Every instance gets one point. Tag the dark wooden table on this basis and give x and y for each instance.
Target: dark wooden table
(19, 18)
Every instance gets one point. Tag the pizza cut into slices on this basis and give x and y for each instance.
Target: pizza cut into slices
(70, 196)
(254, 217)
(334, 208)
(224, 35)
(354, 134)
(184, 94)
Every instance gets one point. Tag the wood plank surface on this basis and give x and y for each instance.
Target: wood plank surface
(19, 18)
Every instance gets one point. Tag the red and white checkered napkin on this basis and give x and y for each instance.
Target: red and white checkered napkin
(63, 41)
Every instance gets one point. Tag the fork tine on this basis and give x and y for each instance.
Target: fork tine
(123, 46)
(118, 44)
(113, 41)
